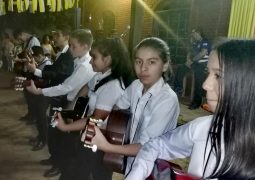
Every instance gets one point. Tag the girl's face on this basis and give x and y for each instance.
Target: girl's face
(77, 49)
(149, 67)
(99, 62)
(212, 83)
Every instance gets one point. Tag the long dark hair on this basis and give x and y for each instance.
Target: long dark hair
(234, 119)
(121, 64)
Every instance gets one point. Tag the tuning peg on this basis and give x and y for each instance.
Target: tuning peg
(59, 109)
(98, 122)
(92, 147)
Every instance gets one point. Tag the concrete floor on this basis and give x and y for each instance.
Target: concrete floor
(17, 161)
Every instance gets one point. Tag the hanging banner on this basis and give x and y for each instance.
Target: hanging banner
(59, 5)
(66, 4)
(48, 3)
(10, 5)
(26, 4)
(19, 4)
(71, 3)
(2, 8)
(34, 5)
(41, 6)
(53, 5)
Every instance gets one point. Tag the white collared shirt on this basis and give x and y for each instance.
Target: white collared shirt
(106, 96)
(64, 50)
(45, 61)
(38, 72)
(33, 42)
(157, 110)
(81, 75)
(188, 140)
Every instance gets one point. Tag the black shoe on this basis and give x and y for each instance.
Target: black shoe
(24, 118)
(54, 171)
(194, 106)
(46, 162)
(33, 141)
(38, 146)
(30, 122)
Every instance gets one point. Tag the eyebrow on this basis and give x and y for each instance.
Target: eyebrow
(217, 69)
(152, 58)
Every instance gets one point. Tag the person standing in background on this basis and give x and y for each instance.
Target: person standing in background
(200, 50)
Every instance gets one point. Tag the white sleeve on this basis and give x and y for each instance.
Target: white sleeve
(124, 101)
(78, 78)
(38, 73)
(34, 42)
(173, 144)
(108, 96)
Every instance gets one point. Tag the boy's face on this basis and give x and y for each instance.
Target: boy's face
(77, 49)
(21, 38)
(38, 58)
(59, 39)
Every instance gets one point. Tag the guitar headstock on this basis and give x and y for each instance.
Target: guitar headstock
(53, 121)
(19, 83)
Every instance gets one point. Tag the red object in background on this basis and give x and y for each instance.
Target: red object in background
(175, 172)
(206, 107)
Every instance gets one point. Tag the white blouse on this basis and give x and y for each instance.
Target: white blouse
(106, 96)
(153, 113)
(188, 140)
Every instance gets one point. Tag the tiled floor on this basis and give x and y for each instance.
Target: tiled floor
(17, 161)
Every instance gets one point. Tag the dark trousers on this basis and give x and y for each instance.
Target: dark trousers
(199, 75)
(29, 99)
(179, 76)
(85, 164)
(55, 136)
(39, 109)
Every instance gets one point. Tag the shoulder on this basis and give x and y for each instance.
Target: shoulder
(200, 126)
(115, 83)
(166, 94)
(35, 39)
(68, 53)
(135, 84)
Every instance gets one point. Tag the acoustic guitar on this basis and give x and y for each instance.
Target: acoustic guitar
(21, 60)
(116, 131)
(20, 82)
(165, 170)
(79, 111)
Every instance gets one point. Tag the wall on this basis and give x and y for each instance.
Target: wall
(211, 15)
(95, 9)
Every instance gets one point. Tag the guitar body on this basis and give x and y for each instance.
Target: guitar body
(116, 131)
(79, 111)
(165, 170)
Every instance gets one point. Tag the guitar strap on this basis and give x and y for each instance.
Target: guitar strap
(103, 81)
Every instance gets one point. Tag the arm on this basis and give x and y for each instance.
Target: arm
(174, 144)
(201, 54)
(76, 80)
(102, 144)
(79, 124)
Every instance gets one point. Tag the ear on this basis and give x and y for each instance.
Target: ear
(86, 47)
(108, 61)
(165, 66)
